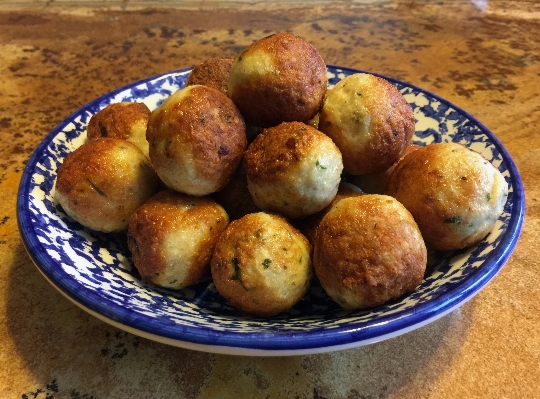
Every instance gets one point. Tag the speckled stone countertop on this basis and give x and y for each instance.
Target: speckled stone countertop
(482, 55)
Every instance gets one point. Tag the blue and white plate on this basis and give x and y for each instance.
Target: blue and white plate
(95, 272)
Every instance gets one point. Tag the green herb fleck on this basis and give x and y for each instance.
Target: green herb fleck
(228, 118)
(359, 94)
(101, 193)
(454, 219)
(239, 59)
(191, 205)
(174, 281)
(488, 197)
(266, 263)
(300, 260)
(236, 269)
(319, 165)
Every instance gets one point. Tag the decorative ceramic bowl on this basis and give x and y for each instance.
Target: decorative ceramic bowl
(95, 272)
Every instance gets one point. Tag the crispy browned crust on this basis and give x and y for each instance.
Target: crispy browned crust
(293, 93)
(208, 125)
(278, 149)
(235, 196)
(241, 240)
(392, 123)
(159, 216)
(98, 186)
(308, 225)
(366, 255)
(116, 120)
(417, 182)
(212, 73)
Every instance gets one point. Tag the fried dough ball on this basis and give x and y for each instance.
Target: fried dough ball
(454, 194)
(235, 196)
(368, 251)
(308, 225)
(212, 73)
(197, 138)
(278, 78)
(172, 237)
(369, 120)
(377, 183)
(261, 264)
(293, 169)
(102, 183)
(123, 120)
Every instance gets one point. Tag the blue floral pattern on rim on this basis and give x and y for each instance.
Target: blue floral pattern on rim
(94, 270)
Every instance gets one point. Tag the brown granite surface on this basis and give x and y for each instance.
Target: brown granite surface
(482, 55)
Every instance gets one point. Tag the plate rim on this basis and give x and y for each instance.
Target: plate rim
(289, 343)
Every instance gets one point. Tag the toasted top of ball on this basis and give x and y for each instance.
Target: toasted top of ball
(124, 120)
(172, 236)
(262, 264)
(369, 120)
(197, 139)
(308, 225)
(212, 73)
(278, 78)
(103, 181)
(293, 169)
(368, 251)
(454, 193)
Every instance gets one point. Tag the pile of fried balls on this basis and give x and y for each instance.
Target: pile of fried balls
(238, 177)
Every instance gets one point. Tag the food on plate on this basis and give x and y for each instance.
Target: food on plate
(377, 183)
(279, 78)
(369, 120)
(308, 225)
(124, 120)
(368, 251)
(261, 264)
(102, 182)
(293, 169)
(197, 138)
(235, 196)
(172, 237)
(454, 194)
(213, 72)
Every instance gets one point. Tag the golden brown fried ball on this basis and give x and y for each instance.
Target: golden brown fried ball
(261, 264)
(308, 225)
(369, 120)
(293, 169)
(123, 120)
(235, 196)
(278, 78)
(454, 194)
(102, 182)
(368, 251)
(172, 237)
(377, 183)
(197, 138)
(212, 73)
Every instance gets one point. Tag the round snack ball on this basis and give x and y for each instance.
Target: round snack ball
(278, 78)
(368, 251)
(172, 237)
(212, 73)
(292, 169)
(308, 225)
(123, 120)
(197, 138)
(102, 182)
(454, 194)
(261, 264)
(369, 120)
